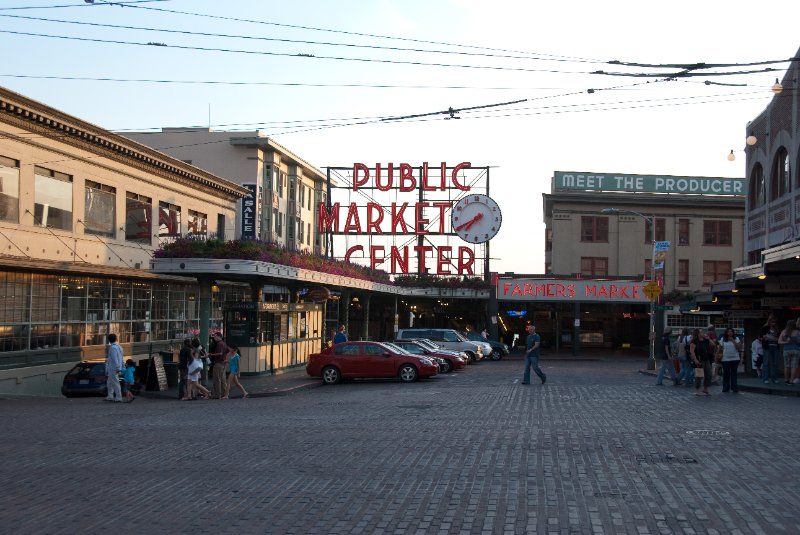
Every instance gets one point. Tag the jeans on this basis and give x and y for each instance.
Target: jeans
(666, 364)
(532, 361)
(112, 385)
(730, 369)
(706, 379)
(687, 372)
(771, 365)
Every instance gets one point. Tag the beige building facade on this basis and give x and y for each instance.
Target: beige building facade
(286, 189)
(81, 212)
(603, 229)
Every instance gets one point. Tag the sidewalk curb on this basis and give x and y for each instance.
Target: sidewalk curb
(756, 389)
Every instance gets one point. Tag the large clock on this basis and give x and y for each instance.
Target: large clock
(476, 218)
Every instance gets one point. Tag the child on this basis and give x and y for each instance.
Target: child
(128, 378)
(193, 379)
(757, 354)
(233, 376)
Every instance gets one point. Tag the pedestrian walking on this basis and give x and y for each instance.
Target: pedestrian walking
(532, 345)
(665, 356)
(233, 365)
(203, 354)
(686, 375)
(114, 359)
(731, 358)
(769, 340)
(702, 355)
(485, 335)
(184, 359)
(129, 378)
(219, 359)
(193, 384)
(340, 336)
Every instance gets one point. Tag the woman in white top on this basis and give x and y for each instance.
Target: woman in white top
(731, 348)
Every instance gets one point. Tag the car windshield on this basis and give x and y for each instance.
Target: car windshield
(395, 347)
(414, 348)
(89, 368)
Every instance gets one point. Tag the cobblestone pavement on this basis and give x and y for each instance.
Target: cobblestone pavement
(598, 449)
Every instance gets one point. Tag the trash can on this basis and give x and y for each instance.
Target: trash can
(166, 355)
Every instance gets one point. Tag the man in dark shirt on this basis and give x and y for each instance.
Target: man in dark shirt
(532, 356)
(219, 357)
(666, 360)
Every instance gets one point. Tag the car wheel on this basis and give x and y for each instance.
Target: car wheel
(331, 375)
(407, 373)
(472, 356)
(496, 355)
(447, 367)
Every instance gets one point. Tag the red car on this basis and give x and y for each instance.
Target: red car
(351, 360)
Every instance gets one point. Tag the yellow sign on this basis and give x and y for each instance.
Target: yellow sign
(652, 290)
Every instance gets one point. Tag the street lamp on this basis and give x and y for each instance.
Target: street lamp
(652, 221)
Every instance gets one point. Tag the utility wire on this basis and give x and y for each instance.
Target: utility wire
(343, 32)
(127, 3)
(299, 41)
(280, 84)
(285, 54)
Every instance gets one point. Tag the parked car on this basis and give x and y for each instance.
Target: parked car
(444, 365)
(454, 362)
(352, 360)
(87, 378)
(499, 349)
(435, 347)
(449, 339)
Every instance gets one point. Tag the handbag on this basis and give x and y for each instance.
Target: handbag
(699, 373)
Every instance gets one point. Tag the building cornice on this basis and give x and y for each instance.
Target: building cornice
(27, 114)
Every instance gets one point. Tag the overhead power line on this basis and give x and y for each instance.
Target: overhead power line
(285, 54)
(126, 3)
(526, 56)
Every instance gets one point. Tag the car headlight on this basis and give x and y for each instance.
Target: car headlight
(426, 361)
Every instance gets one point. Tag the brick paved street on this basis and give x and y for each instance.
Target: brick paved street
(598, 449)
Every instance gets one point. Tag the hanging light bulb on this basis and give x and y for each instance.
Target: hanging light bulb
(731, 156)
(777, 88)
(752, 140)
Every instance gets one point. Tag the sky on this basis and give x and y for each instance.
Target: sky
(318, 76)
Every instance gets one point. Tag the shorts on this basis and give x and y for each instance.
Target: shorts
(124, 386)
(791, 358)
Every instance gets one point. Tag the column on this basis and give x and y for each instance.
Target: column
(365, 326)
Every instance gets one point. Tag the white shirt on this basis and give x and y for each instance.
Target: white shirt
(114, 359)
(729, 351)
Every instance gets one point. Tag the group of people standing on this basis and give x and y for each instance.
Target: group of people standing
(774, 343)
(224, 369)
(698, 353)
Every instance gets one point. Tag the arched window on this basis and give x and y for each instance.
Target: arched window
(757, 192)
(780, 180)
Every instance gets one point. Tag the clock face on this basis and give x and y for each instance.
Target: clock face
(476, 218)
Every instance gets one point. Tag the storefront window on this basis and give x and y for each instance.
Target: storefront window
(45, 299)
(14, 297)
(73, 299)
(100, 210)
(44, 336)
(121, 300)
(52, 199)
(99, 300)
(72, 334)
(9, 189)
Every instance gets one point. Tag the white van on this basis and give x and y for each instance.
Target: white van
(448, 339)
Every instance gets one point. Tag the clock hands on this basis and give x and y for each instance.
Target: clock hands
(468, 224)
